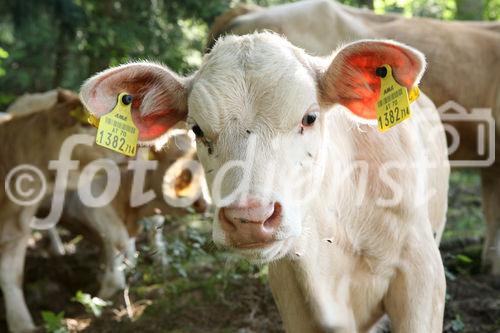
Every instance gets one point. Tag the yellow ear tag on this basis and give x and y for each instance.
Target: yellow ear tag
(93, 121)
(151, 154)
(116, 129)
(393, 104)
(414, 94)
(79, 114)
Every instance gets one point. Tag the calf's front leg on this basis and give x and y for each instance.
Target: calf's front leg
(305, 298)
(289, 298)
(416, 295)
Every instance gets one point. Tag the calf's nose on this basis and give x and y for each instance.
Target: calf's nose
(250, 224)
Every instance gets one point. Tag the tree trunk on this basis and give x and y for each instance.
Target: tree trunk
(61, 55)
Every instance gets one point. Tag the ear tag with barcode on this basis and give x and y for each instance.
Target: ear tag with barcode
(393, 104)
(116, 129)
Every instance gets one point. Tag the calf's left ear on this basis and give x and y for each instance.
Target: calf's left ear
(351, 78)
(159, 96)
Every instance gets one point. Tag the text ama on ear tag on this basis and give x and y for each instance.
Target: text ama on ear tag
(393, 105)
(116, 129)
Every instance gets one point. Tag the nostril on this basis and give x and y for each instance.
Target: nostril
(273, 221)
(226, 223)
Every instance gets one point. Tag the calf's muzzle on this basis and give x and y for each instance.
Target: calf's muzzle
(251, 223)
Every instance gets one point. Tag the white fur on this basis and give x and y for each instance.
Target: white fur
(339, 261)
(261, 83)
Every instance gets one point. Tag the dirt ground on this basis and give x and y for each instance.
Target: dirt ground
(216, 298)
(202, 289)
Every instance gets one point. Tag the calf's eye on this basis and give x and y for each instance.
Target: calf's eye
(197, 131)
(309, 119)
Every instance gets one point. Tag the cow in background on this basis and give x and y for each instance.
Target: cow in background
(35, 102)
(463, 66)
(35, 137)
(117, 235)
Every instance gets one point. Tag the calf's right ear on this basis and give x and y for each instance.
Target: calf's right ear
(159, 96)
(352, 79)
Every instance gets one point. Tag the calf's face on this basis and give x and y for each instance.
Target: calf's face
(257, 106)
(255, 124)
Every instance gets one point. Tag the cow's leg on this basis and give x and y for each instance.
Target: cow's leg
(114, 276)
(11, 279)
(491, 206)
(416, 295)
(157, 238)
(130, 254)
(13, 243)
(114, 237)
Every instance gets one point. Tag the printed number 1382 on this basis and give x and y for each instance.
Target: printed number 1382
(111, 140)
(393, 116)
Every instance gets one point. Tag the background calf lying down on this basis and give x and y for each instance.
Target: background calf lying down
(348, 217)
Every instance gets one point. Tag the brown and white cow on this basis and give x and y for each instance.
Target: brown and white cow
(463, 66)
(34, 133)
(34, 102)
(33, 139)
(118, 224)
(348, 218)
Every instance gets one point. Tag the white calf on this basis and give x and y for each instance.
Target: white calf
(348, 217)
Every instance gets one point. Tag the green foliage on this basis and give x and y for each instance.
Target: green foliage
(469, 9)
(3, 55)
(93, 305)
(53, 323)
(441, 9)
(194, 262)
(199, 282)
(465, 216)
(54, 43)
(457, 324)
(464, 259)
(491, 10)
(359, 3)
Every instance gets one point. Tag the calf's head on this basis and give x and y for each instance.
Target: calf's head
(258, 107)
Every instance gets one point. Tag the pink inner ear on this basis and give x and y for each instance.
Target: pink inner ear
(358, 87)
(154, 125)
(159, 99)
